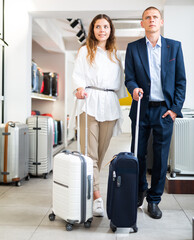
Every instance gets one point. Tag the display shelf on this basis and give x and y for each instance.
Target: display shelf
(43, 97)
(58, 149)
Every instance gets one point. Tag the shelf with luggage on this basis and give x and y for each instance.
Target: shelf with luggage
(44, 84)
(43, 96)
(45, 87)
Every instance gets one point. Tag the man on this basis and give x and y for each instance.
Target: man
(154, 67)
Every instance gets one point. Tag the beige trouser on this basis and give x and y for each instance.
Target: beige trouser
(99, 136)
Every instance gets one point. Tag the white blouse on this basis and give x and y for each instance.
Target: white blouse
(103, 73)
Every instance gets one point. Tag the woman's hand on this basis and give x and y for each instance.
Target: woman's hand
(81, 93)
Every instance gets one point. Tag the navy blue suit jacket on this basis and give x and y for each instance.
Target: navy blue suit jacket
(137, 74)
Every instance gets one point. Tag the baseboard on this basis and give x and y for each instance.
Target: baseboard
(180, 184)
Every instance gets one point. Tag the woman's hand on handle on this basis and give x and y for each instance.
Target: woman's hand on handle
(81, 93)
(136, 92)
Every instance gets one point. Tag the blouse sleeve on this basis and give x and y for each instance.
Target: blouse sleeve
(122, 92)
(78, 71)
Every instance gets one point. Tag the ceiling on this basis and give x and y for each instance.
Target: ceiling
(126, 30)
(54, 32)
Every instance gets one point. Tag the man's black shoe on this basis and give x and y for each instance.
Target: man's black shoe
(154, 210)
(141, 196)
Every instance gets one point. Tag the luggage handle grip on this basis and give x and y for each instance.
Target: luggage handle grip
(36, 128)
(73, 152)
(6, 133)
(76, 152)
(5, 173)
(66, 151)
(89, 186)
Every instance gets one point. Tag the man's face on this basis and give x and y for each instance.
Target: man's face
(151, 21)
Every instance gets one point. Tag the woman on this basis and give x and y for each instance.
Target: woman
(98, 76)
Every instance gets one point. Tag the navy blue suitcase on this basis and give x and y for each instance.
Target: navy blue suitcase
(122, 194)
(123, 191)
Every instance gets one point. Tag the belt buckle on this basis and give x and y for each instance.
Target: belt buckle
(156, 104)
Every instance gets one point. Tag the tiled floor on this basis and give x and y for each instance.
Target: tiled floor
(24, 212)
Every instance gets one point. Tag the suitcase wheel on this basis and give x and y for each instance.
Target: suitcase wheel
(27, 178)
(87, 224)
(52, 217)
(113, 227)
(18, 184)
(45, 175)
(173, 174)
(135, 229)
(69, 227)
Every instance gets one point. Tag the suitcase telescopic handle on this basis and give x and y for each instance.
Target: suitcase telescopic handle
(89, 186)
(137, 126)
(86, 127)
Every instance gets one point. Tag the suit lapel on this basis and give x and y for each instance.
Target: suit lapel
(142, 48)
(164, 59)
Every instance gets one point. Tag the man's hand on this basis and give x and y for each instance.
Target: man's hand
(172, 114)
(81, 93)
(136, 93)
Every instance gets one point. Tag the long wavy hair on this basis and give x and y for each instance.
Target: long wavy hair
(92, 42)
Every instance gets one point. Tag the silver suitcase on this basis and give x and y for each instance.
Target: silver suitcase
(73, 187)
(14, 152)
(41, 145)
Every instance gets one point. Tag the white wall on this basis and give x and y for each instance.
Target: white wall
(50, 62)
(1, 14)
(17, 61)
(88, 5)
(178, 25)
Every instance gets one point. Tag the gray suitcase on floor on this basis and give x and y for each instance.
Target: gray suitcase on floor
(41, 145)
(14, 152)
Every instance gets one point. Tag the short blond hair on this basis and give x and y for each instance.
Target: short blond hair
(149, 8)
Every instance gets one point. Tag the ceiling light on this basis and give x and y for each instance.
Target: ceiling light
(82, 39)
(79, 33)
(74, 23)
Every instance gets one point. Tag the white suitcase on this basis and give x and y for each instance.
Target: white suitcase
(14, 152)
(73, 188)
(41, 145)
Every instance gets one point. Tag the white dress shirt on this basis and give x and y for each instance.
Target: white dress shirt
(103, 73)
(154, 56)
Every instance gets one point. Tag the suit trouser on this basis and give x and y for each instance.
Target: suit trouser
(99, 136)
(162, 133)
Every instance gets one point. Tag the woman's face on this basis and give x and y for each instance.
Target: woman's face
(102, 30)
